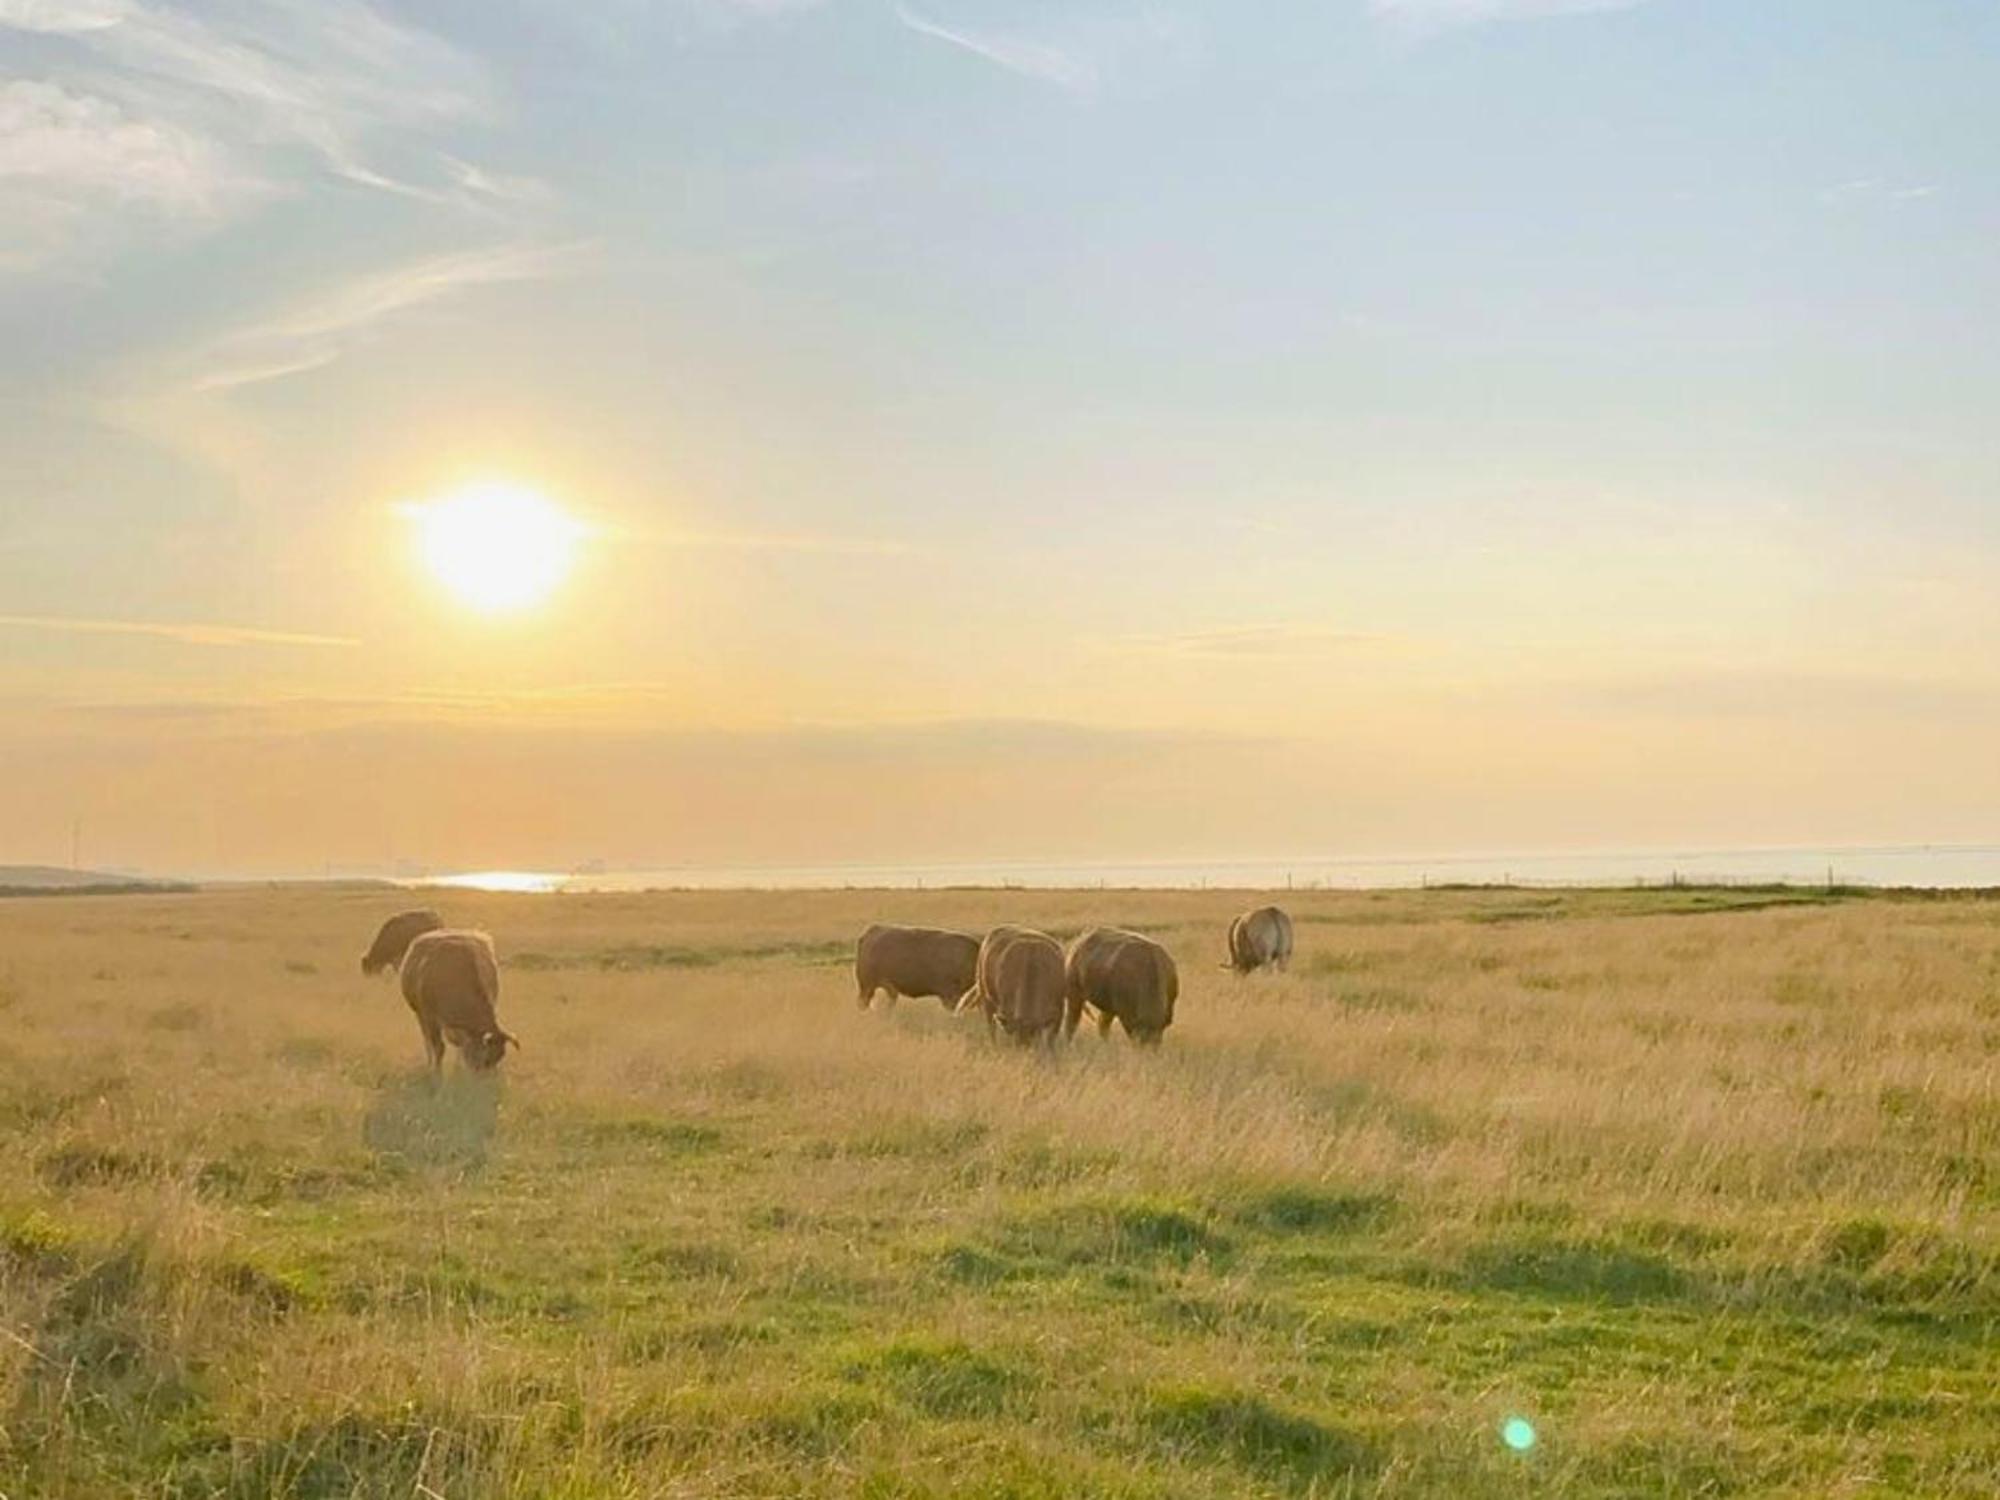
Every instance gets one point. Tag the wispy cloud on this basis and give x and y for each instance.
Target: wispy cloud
(66, 155)
(1078, 48)
(62, 17)
(1422, 17)
(1876, 189)
(320, 331)
(1242, 642)
(477, 182)
(189, 113)
(598, 703)
(186, 633)
(754, 541)
(49, 134)
(1031, 59)
(648, 714)
(1788, 696)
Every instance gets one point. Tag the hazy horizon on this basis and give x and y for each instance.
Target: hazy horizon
(738, 432)
(1916, 867)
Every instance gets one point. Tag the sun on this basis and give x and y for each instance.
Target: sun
(496, 547)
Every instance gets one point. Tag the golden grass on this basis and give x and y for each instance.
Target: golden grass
(1709, 1193)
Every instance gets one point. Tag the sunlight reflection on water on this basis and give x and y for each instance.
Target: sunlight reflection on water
(534, 882)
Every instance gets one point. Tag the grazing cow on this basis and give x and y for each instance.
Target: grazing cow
(914, 961)
(451, 981)
(394, 940)
(1123, 977)
(1019, 985)
(1260, 937)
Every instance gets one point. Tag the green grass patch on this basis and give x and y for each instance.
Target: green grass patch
(1572, 1270)
(940, 1377)
(1257, 1434)
(1314, 1211)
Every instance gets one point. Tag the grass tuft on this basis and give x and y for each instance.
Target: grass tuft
(942, 1378)
(1246, 1429)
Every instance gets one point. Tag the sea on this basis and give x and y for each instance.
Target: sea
(1928, 866)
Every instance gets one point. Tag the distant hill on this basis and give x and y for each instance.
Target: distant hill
(46, 880)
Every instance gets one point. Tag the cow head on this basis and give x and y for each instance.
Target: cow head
(485, 1052)
(388, 952)
(392, 943)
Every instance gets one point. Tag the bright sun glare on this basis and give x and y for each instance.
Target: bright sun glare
(497, 547)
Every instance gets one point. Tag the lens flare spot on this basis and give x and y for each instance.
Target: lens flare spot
(1518, 1433)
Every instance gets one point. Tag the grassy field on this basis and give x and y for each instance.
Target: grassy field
(1705, 1186)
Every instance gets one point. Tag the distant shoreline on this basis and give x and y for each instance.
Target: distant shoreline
(1935, 867)
(1940, 867)
(1839, 890)
(102, 888)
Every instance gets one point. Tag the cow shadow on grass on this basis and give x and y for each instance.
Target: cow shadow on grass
(447, 1124)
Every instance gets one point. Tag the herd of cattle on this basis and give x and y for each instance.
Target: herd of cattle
(1024, 982)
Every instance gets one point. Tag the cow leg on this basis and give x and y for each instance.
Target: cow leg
(862, 1000)
(433, 1046)
(1104, 1023)
(894, 995)
(1072, 1014)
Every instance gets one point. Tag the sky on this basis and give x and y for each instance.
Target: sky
(999, 429)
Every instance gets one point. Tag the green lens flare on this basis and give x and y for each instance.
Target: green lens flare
(1518, 1433)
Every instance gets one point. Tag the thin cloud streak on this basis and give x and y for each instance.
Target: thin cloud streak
(750, 541)
(190, 633)
(1427, 17)
(1876, 189)
(607, 714)
(1036, 60)
(571, 705)
(1789, 696)
(321, 331)
(1252, 642)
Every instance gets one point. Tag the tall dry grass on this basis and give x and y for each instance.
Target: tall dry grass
(707, 1222)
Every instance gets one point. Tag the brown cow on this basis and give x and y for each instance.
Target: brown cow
(394, 940)
(1260, 937)
(1125, 977)
(451, 981)
(1019, 985)
(914, 961)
